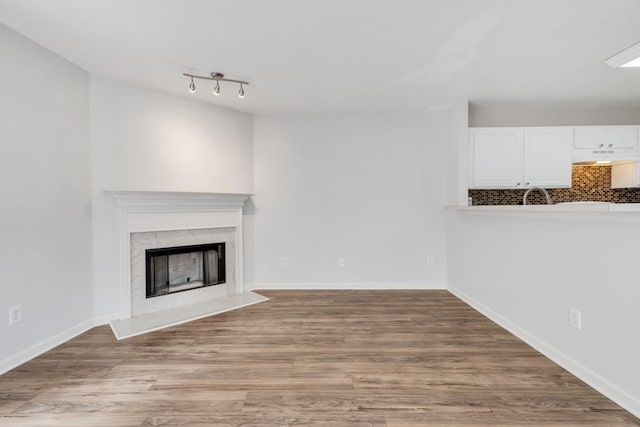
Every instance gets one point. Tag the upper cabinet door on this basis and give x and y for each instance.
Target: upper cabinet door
(590, 137)
(547, 156)
(496, 155)
(622, 137)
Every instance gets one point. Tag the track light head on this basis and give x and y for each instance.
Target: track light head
(241, 92)
(216, 89)
(192, 86)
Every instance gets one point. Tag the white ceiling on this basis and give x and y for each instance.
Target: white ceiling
(349, 55)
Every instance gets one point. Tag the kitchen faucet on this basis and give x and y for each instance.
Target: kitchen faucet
(540, 189)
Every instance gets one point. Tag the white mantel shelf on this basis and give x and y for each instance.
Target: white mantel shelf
(133, 199)
(597, 211)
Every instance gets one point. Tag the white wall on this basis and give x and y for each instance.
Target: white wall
(527, 272)
(44, 169)
(366, 187)
(458, 154)
(146, 140)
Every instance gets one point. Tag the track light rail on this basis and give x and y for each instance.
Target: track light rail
(216, 76)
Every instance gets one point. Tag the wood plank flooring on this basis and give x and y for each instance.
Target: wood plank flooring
(305, 358)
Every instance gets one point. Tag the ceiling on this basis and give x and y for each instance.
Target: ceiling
(349, 55)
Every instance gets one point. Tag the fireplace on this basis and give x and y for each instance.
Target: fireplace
(151, 220)
(182, 268)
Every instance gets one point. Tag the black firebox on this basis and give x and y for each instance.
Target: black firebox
(183, 268)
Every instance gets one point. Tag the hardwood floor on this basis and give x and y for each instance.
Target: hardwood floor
(329, 358)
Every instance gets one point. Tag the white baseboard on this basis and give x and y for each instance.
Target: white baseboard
(105, 319)
(344, 286)
(627, 401)
(43, 346)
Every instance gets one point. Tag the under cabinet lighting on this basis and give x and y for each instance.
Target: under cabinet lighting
(603, 162)
(628, 58)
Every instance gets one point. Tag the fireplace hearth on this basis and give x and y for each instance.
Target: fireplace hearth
(182, 268)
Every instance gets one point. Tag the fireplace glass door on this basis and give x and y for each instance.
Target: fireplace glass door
(182, 268)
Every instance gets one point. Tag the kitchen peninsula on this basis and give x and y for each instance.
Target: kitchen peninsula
(562, 277)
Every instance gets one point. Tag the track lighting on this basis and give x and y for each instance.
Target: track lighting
(217, 77)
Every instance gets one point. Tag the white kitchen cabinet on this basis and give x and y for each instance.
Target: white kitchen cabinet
(547, 157)
(496, 155)
(605, 142)
(521, 157)
(625, 175)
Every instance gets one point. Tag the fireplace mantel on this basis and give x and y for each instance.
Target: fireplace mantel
(164, 199)
(143, 211)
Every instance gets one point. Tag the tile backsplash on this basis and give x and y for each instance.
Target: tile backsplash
(588, 183)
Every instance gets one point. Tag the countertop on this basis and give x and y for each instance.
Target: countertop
(598, 210)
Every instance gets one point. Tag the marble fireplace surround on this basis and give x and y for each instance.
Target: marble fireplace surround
(151, 211)
(140, 242)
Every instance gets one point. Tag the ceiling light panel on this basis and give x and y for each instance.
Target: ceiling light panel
(630, 57)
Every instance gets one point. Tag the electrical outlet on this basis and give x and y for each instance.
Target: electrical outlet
(15, 314)
(283, 262)
(575, 318)
(430, 261)
(340, 262)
